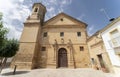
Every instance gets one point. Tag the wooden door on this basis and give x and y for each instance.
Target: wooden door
(62, 58)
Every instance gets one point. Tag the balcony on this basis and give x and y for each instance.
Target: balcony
(115, 43)
(117, 50)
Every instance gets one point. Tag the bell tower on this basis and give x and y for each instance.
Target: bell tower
(38, 12)
(29, 43)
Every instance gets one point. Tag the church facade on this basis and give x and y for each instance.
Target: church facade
(60, 42)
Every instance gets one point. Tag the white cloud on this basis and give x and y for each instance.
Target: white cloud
(13, 33)
(21, 1)
(16, 11)
(66, 2)
(55, 6)
(81, 17)
(51, 9)
(91, 30)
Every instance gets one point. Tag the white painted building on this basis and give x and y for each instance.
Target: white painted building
(111, 37)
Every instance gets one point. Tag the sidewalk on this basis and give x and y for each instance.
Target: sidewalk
(83, 72)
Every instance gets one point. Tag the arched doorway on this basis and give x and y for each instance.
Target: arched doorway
(62, 58)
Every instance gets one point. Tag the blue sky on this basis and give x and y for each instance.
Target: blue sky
(15, 12)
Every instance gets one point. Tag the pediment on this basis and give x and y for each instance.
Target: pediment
(62, 20)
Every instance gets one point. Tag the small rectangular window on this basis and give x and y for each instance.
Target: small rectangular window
(45, 34)
(43, 49)
(81, 48)
(61, 34)
(78, 34)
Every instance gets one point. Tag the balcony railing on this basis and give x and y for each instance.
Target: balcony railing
(117, 50)
(115, 43)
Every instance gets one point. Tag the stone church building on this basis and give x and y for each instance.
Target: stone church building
(60, 42)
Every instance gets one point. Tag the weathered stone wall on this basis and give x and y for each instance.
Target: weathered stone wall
(28, 48)
(96, 47)
(49, 57)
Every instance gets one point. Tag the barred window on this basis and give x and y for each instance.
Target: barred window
(81, 48)
(43, 49)
(61, 34)
(78, 34)
(45, 34)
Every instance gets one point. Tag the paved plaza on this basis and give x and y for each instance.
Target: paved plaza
(83, 72)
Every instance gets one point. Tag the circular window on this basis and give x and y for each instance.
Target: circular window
(61, 19)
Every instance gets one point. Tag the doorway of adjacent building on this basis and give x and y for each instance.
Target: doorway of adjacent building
(62, 58)
(101, 61)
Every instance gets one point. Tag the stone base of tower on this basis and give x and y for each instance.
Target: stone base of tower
(25, 58)
(22, 62)
(21, 65)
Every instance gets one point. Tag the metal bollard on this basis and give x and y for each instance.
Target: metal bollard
(14, 70)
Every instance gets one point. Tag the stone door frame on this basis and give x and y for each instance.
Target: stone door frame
(62, 58)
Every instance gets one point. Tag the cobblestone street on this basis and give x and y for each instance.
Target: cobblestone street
(83, 72)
